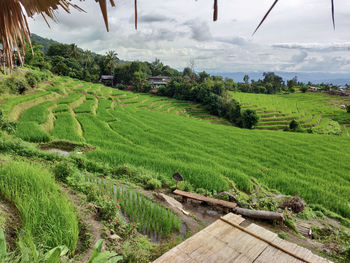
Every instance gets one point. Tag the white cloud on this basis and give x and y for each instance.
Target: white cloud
(297, 36)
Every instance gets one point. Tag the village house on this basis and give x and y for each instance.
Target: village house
(340, 92)
(314, 89)
(108, 80)
(157, 81)
(345, 89)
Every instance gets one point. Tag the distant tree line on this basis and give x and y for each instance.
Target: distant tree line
(270, 84)
(69, 60)
(210, 91)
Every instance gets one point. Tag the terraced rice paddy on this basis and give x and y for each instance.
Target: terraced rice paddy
(309, 109)
(164, 136)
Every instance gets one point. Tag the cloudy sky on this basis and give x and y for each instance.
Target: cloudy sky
(298, 35)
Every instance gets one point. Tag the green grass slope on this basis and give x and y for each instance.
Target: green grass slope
(159, 134)
(311, 110)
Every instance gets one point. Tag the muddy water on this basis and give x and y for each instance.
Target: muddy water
(58, 151)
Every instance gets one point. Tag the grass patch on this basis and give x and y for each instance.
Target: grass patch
(32, 132)
(38, 113)
(61, 108)
(65, 128)
(72, 98)
(48, 218)
(86, 107)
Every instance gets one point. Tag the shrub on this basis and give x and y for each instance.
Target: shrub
(185, 186)
(62, 171)
(123, 170)
(249, 118)
(78, 183)
(16, 84)
(153, 184)
(90, 166)
(108, 208)
(348, 108)
(5, 125)
(293, 125)
(303, 89)
(331, 128)
(121, 86)
(31, 79)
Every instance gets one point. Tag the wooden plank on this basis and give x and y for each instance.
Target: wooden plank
(262, 232)
(256, 236)
(174, 255)
(234, 218)
(209, 249)
(205, 199)
(246, 245)
(230, 242)
(223, 255)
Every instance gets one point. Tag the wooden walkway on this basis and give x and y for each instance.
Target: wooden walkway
(231, 239)
(208, 200)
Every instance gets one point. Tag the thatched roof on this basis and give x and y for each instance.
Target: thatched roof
(14, 30)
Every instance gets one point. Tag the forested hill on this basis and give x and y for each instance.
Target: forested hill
(44, 42)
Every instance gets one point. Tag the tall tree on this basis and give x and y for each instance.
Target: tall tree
(246, 79)
(110, 61)
(74, 51)
(87, 57)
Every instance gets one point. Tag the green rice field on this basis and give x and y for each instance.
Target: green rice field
(166, 135)
(311, 110)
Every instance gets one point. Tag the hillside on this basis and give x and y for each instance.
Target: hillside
(149, 132)
(313, 111)
(135, 142)
(44, 42)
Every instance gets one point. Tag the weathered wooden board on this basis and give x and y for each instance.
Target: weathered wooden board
(205, 199)
(223, 242)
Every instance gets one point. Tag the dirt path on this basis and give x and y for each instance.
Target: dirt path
(88, 218)
(12, 222)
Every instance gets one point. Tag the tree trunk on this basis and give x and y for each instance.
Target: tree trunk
(256, 214)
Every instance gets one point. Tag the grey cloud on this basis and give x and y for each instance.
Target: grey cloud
(151, 18)
(155, 18)
(200, 30)
(298, 58)
(315, 46)
(225, 46)
(329, 64)
(238, 41)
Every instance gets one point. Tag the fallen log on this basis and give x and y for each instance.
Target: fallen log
(258, 214)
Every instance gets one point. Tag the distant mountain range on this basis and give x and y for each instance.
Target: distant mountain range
(315, 78)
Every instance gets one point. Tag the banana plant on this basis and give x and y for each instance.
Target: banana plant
(98, 256)
(29, 254)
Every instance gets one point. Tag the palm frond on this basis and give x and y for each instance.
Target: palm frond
(265, 16)
(136, 14)
(333, 20)
(103, 6)
(215, 16)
